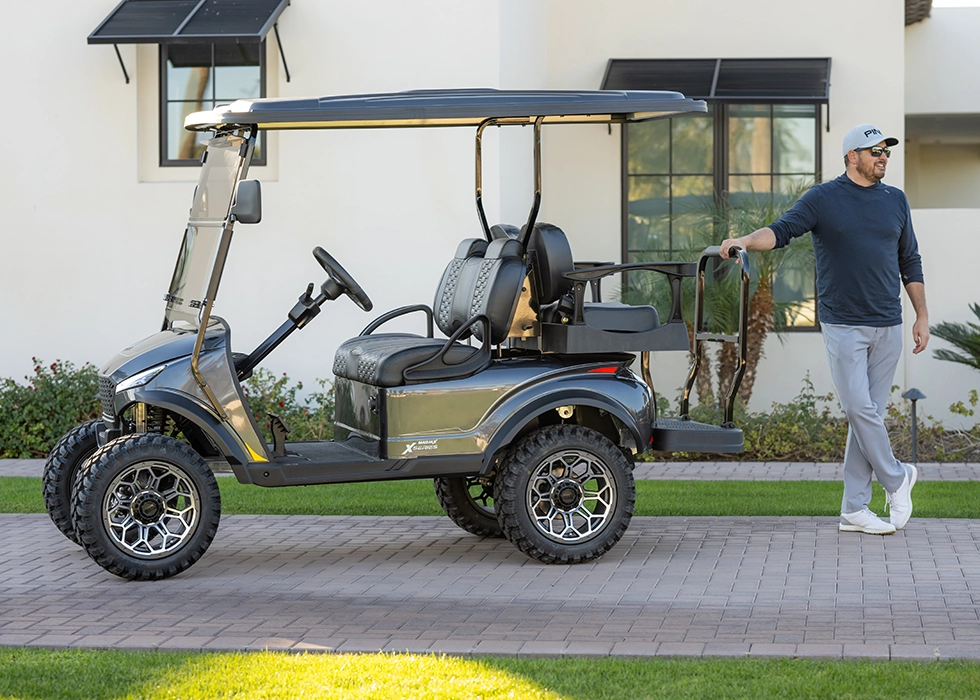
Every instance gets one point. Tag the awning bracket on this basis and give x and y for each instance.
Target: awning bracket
(285, 66)
(121, 64)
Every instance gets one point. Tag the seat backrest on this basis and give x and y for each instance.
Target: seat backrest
(550, 258)
(498, 287)
(481, 279)
(452, 303)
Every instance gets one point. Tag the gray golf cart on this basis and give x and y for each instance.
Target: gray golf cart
(525, 411)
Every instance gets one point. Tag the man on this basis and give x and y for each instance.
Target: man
(864, 245)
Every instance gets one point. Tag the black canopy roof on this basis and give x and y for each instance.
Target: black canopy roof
(459, 107)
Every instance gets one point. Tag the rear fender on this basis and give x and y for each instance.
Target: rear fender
(626, 398)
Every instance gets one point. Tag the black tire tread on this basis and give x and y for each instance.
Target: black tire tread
(108, 461)
(64, 461)
(509, 496)
(452, 494)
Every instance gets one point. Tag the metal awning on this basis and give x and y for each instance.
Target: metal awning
(188, 21)
(458, 107)
(726, 79)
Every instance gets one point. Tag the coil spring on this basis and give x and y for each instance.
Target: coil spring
(156, 420)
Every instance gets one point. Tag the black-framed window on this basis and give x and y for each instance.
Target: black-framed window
(678, 172)
(196, 77)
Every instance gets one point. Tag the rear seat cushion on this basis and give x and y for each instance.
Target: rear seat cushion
(613, 316)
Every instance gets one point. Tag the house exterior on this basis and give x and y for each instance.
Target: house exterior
(99, 179)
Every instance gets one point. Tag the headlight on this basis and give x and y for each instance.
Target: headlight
(144, 377)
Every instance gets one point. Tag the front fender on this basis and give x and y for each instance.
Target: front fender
(625, 397)
(227, 440)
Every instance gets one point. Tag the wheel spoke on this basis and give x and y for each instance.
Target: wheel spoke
(151, 509)
(571, 496)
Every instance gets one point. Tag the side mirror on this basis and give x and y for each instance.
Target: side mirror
(247, 208)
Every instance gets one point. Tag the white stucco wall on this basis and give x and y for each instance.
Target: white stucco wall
(942, 55)
(89, 237)
(949, 241)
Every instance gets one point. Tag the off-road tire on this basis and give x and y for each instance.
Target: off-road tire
(63, 464)
(564, 494)
(467, 502)
(147, 507)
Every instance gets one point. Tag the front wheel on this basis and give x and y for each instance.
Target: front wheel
(468, 501)
(147, 507)
(564, 494)
(63, 463)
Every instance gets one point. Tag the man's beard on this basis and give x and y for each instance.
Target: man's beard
(869, 171)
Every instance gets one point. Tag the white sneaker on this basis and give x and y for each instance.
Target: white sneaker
(865, 521)
(899, 503)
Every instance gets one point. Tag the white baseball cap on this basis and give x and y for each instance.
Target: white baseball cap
(865, 136)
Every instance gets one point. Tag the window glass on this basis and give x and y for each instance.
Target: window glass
(794, 136)
(749, 139)
(691, 145)
(236, 83)
(674, 182)
(197, 77)
(649, 213)
(691, 198)
(649, 147)
(183, 144)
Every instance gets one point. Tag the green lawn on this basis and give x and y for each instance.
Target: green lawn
(933, 499)
(91, 675)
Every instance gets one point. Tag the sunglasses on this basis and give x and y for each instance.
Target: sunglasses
(876, 151)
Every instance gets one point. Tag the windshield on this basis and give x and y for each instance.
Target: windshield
(187, 297)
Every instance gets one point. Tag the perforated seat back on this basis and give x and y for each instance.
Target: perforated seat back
(481, 279)
(454, 294)
(497, 288)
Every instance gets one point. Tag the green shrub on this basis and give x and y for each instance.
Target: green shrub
(33, 417)
(310, 420)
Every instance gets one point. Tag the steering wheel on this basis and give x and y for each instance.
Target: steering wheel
(339, 276)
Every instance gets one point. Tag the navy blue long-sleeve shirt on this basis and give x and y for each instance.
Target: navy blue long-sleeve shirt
(864, 246)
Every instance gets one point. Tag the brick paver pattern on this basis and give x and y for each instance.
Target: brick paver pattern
(672, 586)
(718, 586)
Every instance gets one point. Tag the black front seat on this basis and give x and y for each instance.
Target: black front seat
(477, 296)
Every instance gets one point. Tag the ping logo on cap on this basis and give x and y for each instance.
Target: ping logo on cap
(872, 131)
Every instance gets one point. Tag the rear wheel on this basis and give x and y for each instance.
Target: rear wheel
(468, 501)
(63, 464)
(565, 494)
(147, 507)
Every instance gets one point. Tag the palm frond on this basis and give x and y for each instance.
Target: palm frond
(964, 336)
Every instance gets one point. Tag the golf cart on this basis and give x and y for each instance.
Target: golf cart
(525, 411)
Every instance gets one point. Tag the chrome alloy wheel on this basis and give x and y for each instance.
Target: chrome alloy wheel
(571, 496)
(151, 509)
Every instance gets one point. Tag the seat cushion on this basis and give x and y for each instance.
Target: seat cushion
(613, 316)
(381, 360)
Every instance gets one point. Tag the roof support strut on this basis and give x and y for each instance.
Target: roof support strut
(536, 201)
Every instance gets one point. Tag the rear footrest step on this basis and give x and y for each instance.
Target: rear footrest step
(684, 435)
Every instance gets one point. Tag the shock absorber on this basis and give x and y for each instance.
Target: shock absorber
(149, 419)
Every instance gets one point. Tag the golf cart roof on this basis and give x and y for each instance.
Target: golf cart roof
(459, 107)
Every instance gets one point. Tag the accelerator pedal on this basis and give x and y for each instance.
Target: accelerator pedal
(279, 433)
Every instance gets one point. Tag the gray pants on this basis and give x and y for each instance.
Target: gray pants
(862, 363)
